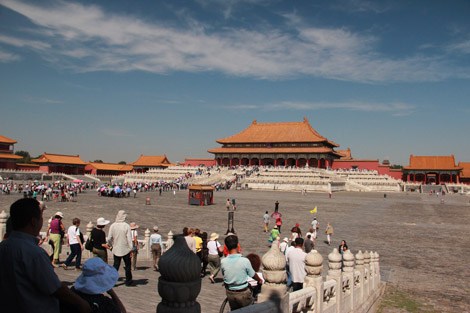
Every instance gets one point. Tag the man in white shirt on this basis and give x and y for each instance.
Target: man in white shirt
(315, 225)
(121, 241)
(296, 259)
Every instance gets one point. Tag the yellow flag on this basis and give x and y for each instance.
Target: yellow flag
(314, 210)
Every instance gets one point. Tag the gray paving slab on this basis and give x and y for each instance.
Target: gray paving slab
(422, 242)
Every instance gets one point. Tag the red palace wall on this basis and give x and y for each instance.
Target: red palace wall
(198, 162)
(371, 165)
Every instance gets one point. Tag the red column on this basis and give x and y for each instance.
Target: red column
(275, 162)
(296, 162)
(230, 162)
(259, 162)
(285, 162)
(458, 178)
(327, 163)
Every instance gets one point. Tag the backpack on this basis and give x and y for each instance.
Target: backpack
(89, 244)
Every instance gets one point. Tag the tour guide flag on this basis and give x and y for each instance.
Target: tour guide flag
(314, 210)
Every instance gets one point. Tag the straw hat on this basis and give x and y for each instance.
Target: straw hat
(275, 227)
(155, 228)
(58, 213)
(97, 277)
(214, 236)
(101, 222)
(134, 225)
(285, 239)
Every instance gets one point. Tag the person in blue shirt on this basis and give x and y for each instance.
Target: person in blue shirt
(236, 270)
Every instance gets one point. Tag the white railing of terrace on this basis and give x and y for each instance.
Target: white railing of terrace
(4, 170)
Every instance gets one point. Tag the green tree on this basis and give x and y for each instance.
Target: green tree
(26, 156)
(122, 162)
(98, 161)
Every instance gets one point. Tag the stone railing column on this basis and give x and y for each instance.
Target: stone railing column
(148, 249)
(348, 271)
(275, 276)
(367, 285)
(89, 228)
(179, 283)
(3, 224)
(376, 265)
(360, 268)
(334, 272)
(313, 267)
(169, 241)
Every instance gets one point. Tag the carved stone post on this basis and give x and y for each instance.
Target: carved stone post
(313, 267)
(89, 228)
(334, 272)
(180, 282)
(348, 271)
(375, 264)
(275, 276)
(367, 274)
(3, 224)
(169, 241)
(360, 268)
(148, 249)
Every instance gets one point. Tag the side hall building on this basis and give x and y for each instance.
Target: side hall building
(432, 170)
(60, 163)
(277, 144)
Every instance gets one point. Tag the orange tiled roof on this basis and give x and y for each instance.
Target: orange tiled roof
(111, 166)
(273, 150)
(4, 139)
(357, 160)
(148, 160)
(59, 159)
(432, 163)
(277, 132)
(345, 154)
(466, 169)
(27, 164)
(10, 156)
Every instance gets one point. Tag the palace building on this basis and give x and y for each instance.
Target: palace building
(146, 162)
(8, 158)
(277, 144)
(60, 163)
(101, 168)
(432, 170)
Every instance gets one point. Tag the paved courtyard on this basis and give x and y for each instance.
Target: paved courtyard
(422, 242)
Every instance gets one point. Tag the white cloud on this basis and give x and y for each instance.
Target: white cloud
(86, 38)
(461, 47)
(6, 57)
(17, 42)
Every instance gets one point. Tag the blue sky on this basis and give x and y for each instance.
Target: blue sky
(112, 80)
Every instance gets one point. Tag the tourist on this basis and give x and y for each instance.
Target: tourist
(283, 246)
(255, 262)
(75, 242)
(190, 240)
(295, 232)
(227, 204)
(28, 282)
(54, 232)
(215, 252)
(308, 244)
(315, 226)
(204, 254)
(266, 221)
(98, 278)
(276, 206)
(98, 240)
(156, 245)
(274, 234)
(198, 240)
(121, 241)
(342, 247)
(236, 270)
(135, 245)
(329, 231)
(296, 259)
(279, 223)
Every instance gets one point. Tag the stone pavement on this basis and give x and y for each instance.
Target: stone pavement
(422, 242)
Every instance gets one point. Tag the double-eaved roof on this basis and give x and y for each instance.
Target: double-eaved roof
(59, 159)
(4, 139)
(432, 163)
(288, 132)
(465, 169)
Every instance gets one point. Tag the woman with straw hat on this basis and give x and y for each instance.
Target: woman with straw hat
(215, 251)
(98, 238)
(54, 231)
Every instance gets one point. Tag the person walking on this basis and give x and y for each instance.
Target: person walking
(274, 234)
(156, 245)
(75, 242)
(279, 223)
(308, 244)
(55, 231)
(296, 260)
(215, 251)
(266, 221)
(315, 226)
(135, 245)
(121, 241)
(98, 240)
(329, 231)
